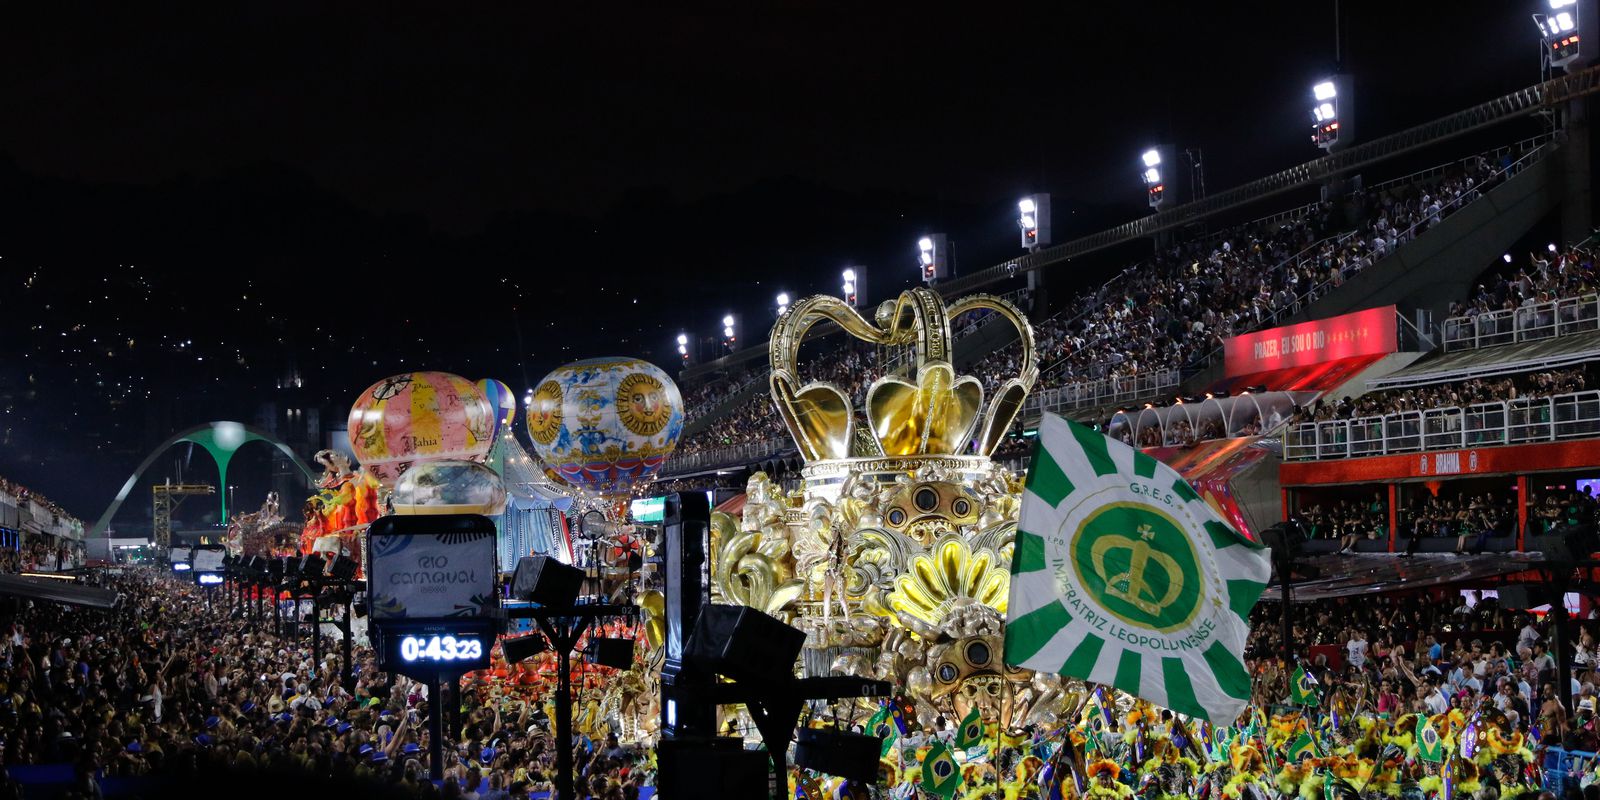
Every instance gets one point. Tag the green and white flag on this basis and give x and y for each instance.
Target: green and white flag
(1123, 575)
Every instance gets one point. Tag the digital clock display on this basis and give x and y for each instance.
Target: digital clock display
(440, 649)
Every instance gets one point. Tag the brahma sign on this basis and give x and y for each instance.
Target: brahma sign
(1361, 333)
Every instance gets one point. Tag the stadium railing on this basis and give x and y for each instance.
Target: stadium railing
(1522, 421)
(1528, 323)
(738, 454)
(1101, 392)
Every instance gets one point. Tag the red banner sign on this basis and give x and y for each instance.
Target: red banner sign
(1360, 333)
(1511, 460)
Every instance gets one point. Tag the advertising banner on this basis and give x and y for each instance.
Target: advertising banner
(431, 567)
(1360, 333)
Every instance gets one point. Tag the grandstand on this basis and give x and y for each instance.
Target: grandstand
(1404, 361)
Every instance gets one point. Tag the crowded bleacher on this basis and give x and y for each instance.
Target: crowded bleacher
(1157, 318)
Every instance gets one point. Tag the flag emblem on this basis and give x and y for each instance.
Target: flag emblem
(1123, 575)
(971, 731)
(939, 772)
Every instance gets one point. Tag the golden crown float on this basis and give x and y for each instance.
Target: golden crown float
(895, 555)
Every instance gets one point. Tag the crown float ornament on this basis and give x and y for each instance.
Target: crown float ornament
(894, 555)
(940, 414)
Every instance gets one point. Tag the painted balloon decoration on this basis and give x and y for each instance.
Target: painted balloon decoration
(416, 417)
(503, 401)
(606, 425)
(449, 487)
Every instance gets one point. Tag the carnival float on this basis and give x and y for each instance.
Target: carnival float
(894, 556)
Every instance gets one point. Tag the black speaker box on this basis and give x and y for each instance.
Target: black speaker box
(343, 568)
(710, 767)
(546, 581)
(522, 648)
(311, 565)
(1523, 597)
(614, 653)
(852, 756)
(742, 643)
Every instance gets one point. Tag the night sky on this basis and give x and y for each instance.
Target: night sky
(199, 206)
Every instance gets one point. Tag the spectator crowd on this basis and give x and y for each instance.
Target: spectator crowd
(170, 687)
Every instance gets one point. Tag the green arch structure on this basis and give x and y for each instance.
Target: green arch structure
(221, 440)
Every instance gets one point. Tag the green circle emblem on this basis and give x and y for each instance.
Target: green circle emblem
(1137, 563)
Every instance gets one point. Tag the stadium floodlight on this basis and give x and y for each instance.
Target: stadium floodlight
(1033, 221)
(1155, 184)
(683, 353)
(854, 285)
(1559, 34)
(933, 257)
(783, 303)
(1553, 247)
(1331, 103)
(1507, 258)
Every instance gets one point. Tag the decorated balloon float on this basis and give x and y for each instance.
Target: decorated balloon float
(419, 416)
(502, 401)
(605, 426)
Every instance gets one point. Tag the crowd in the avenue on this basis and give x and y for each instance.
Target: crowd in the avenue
(1429, 652)
(171, 687)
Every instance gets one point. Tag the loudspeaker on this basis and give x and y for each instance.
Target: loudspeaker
(710, 767)
(343, 568)
(311, 565)
(742, 643)
(852, 756)
(1523, 597)
(546, 581)
(274, 570)
(614, 653)
(686, 527)
(522, 648)
(257, 566)
(1568, 544)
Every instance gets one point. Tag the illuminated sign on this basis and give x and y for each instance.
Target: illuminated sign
(209, 578)
(440, 648)
(437, 648)
(432, 567)
(180, 567)
(1362, 333)
(650, 509)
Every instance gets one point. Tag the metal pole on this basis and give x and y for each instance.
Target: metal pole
(564, 726)
(436, 729)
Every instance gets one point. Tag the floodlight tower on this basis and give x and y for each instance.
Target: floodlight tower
(730, 332)
(1332, 104)
(1033, 221)
(683, 355)
(933, 257)
(1562, 30)
(854, 287)
(783, 303)
(1155, 184)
